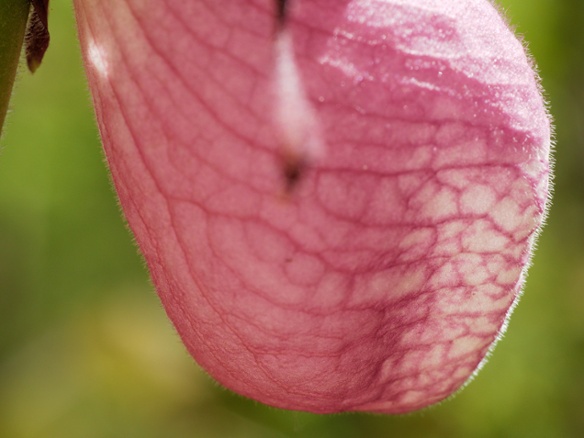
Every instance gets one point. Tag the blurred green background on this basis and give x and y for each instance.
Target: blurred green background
(85, 347)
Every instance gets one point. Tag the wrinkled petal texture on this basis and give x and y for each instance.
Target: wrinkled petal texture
(382, 281)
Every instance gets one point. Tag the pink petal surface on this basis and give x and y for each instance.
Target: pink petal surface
(381, 282)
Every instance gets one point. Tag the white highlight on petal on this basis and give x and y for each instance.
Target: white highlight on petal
(294, 115)
(98, 58)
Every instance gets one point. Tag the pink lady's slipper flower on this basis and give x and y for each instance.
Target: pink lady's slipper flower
(337, 199)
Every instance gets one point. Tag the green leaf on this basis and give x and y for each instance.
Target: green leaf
(13, 19)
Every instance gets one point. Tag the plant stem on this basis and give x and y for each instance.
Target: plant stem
(13, 18)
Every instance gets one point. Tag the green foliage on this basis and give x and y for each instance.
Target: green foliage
(86, 350)
(13, 15)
